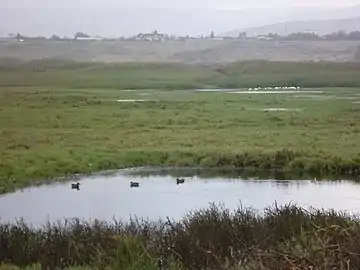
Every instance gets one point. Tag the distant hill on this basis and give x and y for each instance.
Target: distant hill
(190, 51)
(322, 27)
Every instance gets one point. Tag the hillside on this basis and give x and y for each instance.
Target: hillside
(323, 27)
(334, 51)
(206, 51)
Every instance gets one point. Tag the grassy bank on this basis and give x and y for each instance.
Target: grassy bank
(57, 128)
(215, 238)
(47, 132)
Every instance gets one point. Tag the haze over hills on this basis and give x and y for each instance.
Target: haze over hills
(48, 18)
(322, 27)
(127, 21)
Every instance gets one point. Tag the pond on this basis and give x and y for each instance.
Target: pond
(109, 196)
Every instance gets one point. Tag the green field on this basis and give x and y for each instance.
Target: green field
(66, 119)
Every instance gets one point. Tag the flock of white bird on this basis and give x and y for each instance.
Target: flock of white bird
(275, 88)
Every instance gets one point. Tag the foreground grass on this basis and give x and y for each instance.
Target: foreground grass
(52, 132)
(215, 238)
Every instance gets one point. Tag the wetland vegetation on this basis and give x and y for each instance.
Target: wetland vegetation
(58, 73)
(285, 237)
(68, 118)
(60, 118)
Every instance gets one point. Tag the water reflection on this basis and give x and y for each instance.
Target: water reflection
(234, 174)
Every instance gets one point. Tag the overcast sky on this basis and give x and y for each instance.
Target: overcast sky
(235, 4)
(114, 18)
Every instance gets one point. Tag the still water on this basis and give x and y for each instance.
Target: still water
(109, 196)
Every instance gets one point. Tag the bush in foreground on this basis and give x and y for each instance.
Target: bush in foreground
(285, 237)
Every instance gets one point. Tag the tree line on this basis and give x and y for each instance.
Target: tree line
(340, 35)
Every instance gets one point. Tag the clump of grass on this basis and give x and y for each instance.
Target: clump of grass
(286, 237)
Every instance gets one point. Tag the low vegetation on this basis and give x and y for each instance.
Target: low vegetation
(184, 51)
(285, 237)
(357, 55)
(263, 73)
(66, 74)
(75, 120)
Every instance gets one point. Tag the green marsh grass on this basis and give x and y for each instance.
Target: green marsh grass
(73, 124)
(71, 74)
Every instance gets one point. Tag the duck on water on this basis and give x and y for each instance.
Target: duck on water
(75, 186)
(180, 181)
(134, 184)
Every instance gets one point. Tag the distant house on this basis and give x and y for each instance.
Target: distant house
(311, 32)
(217, 38)
(17, 36)
(264, 38)
(89, 38)
(12, 36)
(84, 36)
(154, 36)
